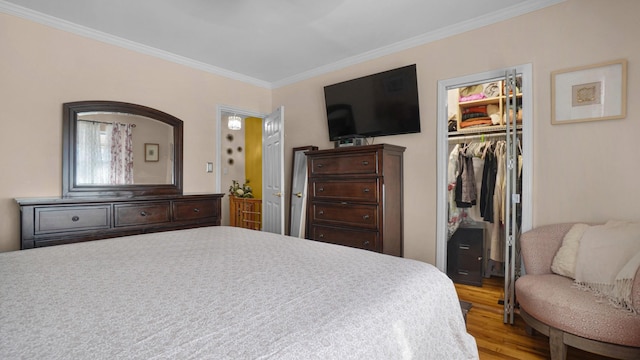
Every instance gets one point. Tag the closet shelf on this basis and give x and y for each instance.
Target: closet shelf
(479, 131)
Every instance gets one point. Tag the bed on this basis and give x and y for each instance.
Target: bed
(225, 293)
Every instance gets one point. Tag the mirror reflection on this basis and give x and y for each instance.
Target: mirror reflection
(110, 150)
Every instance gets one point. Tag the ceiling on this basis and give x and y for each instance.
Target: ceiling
(269, 42)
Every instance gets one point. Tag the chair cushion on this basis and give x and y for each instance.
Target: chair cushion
(554, 301)
(564, 263)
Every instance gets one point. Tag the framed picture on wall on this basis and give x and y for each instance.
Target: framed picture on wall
(589, 93)
(151, 152)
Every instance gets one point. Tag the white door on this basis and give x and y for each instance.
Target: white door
(273, 172)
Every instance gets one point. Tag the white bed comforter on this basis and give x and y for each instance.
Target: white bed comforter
(225, 293)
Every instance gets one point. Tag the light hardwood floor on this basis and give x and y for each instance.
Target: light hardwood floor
(497, 340)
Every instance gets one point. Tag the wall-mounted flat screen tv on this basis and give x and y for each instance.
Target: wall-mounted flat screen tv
(381, 104)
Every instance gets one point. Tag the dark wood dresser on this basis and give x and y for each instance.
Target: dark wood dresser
(465, 254)
(54, 221)
(356, 197)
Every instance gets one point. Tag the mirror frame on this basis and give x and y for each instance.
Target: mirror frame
(294, 173)
(69, 136)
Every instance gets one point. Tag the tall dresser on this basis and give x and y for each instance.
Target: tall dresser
(356, 197)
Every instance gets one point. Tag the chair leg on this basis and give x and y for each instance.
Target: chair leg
(557, 347)
(529, 330)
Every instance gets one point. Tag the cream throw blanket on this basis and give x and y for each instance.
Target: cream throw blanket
(607, 261)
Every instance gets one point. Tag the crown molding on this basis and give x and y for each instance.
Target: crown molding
(455, 29)
(84, 31)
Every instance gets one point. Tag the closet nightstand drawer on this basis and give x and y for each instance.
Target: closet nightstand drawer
(344, 164)
(361, 216)
(469, 247)
(465, 255)
(469, 276)
(194, 209)
(345, 190)
(142, 213)
(71, 218)
(367, 240)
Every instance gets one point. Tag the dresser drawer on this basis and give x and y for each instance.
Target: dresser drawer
(71, 218)
(345, 190)
(344, 164)
(142, 213)
(194, 209)
(362, 216)
(367, 240)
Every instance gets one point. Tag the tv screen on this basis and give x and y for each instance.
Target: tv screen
(376, 105)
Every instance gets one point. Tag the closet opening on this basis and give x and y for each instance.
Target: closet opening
(484, 176)
(476, 178)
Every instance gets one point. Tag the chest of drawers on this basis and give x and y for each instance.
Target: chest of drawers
(355, 197)
(54, 221)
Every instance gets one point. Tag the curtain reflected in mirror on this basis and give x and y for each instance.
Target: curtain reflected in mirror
(104, 153)
(110, 150)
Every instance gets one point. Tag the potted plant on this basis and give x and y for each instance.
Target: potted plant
(241, 191)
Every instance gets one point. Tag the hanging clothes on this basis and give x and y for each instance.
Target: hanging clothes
(452, 174)
(488, 184)
(466, 193)
(497, 238)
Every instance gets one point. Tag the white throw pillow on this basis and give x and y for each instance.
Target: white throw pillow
(564, 263)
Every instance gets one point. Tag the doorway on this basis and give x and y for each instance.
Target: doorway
(445, 129)
(241, 155)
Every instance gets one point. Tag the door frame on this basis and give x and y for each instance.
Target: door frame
(443, 150)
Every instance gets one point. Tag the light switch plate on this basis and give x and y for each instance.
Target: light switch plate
(209, 167)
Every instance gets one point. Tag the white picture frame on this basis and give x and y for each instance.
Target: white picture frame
(589, 93)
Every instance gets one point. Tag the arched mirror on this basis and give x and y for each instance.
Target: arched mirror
(120, 149)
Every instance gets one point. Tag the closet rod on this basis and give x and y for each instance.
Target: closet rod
(478, 136)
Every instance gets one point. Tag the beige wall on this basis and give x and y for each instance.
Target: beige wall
(584, 171)
(41, 68)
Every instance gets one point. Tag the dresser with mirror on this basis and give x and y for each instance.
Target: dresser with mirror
(121, 175)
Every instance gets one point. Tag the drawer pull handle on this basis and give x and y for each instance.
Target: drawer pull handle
(144, 213)
(320, 165)
(463, 272)
(196, 210)
(365, 162)
(75, 218)
(321, 212)
(366, 190)
(464, 247)
(365, 217)
(479, 258)
(321, 189)
(366, 243)
(321, 236)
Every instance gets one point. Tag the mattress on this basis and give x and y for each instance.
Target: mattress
(225, 293)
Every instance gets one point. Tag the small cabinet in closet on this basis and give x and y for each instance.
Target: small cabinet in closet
(465, 252)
